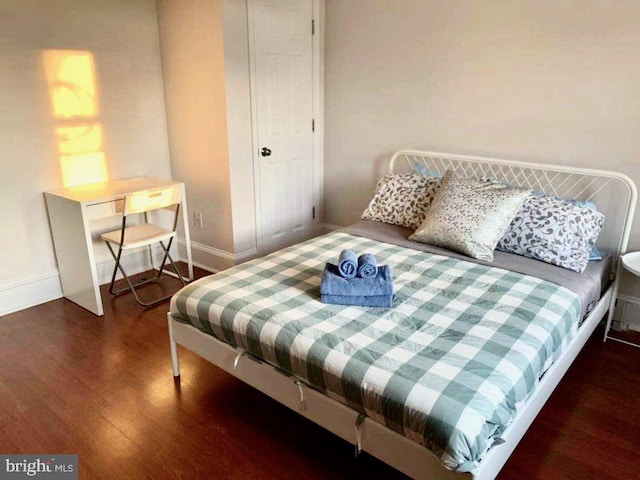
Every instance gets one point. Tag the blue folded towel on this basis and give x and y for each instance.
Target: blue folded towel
(367, 265)
(362, 301)
(348, 264)
(333, 284)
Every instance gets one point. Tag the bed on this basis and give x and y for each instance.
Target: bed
(445, 383)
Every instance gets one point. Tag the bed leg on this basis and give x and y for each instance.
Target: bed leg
(174, 351)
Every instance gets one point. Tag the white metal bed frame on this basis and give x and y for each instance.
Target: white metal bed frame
(614, 193)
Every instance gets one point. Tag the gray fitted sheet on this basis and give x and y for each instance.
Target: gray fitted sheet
(590, 284)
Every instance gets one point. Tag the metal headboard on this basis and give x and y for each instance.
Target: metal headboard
(614, 193)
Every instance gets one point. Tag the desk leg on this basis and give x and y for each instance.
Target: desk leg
(74, 253)
(187, 236)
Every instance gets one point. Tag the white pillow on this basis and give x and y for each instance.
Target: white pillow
(470, 215)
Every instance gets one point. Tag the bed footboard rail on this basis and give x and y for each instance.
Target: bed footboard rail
(398, 451)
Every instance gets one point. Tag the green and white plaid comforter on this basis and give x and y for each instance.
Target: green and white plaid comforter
(447, 366)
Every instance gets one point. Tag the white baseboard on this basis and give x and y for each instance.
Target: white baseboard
(32, 290)
(29, 291)
(214, 259)
(134, 261)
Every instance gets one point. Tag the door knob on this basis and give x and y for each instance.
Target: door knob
(265, 152)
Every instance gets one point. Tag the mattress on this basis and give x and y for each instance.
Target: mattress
(590, 285)
(447, 366)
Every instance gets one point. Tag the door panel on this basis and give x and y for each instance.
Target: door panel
(299, 212)
(276, 179)
(283, 82)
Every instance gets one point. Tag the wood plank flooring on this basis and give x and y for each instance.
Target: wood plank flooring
(71, 382)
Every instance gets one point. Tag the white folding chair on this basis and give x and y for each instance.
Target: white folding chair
(144, 235)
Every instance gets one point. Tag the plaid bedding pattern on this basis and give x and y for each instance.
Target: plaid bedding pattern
(447, 366)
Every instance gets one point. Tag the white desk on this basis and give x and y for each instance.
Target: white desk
(71, 209)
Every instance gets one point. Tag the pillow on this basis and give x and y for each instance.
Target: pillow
(554, 231)
(469, 215)
(594, 254)
(402, 199)
(421, 169)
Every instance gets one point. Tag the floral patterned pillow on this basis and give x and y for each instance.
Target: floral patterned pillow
(554, 231)
(469, 215)
(402, 199)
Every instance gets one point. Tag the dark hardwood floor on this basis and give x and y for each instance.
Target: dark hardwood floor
(71, 382)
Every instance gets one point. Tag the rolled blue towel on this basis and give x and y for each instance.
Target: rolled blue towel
(348, 264)
(367, 265)
(384, 301)
(334, 284)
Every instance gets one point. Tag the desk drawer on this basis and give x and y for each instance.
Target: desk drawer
(104, 210)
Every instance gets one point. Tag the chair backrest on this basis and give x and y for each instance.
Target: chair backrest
(155, 199)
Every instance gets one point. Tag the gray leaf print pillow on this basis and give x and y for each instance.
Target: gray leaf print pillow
(402, 199)
(554, 231)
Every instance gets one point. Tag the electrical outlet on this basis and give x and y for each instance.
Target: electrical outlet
(197, 219)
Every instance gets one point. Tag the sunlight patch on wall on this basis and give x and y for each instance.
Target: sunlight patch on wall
(73, 94)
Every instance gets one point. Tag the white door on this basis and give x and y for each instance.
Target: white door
(282, 77)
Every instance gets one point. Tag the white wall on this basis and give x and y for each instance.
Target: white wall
(123, 37)
(240, 139)
(553, 82)
(205, 53)
(194, 75)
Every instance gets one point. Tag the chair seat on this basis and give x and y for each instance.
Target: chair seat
(139, 235)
